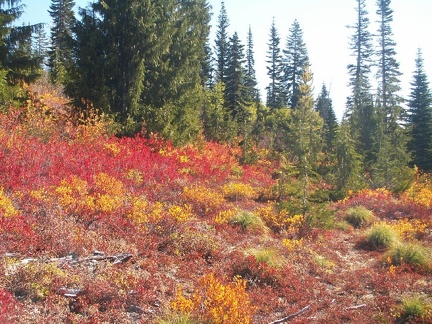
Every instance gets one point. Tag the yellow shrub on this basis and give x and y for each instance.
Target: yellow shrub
(215, 302)
(410, 229)
(235, 191)
(203, 199)
(280, 220)
(181, 213)
(112, 149)
(6, 206)
(141, 212)
(224, 216)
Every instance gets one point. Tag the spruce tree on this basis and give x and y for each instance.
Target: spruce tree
(222, 44)
(305, 138)
(275, 93)
(420, 118)
(389, 170)
(360, 108)
(16, 54)
(235, 90)
(60, 55)
(173, 94)
(295, 61)
(324, 107)
(349, 175)
(250, 80)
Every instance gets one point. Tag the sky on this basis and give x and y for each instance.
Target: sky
(325, 34)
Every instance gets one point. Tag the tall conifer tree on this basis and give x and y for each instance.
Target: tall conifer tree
(305, 138)
(324, 106)
(235, 90)
(250, 73)
(360, 108)
(275, 93)
(420, 118)
(295, 61)
(60, 55)
(222, 44)
(17, 58)
(392, 158)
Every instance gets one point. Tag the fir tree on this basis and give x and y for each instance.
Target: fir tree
(295, 61)
(305, 138)
(324, 107)
(389, 169)
(222, 44)
(360, 108)
(250, 73)
(235, 91)
(349, 175)
(16, 55)
(60, 55)
(275, 94)
(420, 118)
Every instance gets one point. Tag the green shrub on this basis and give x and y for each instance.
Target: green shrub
(382, 236)
(359, 216)
(412, 254)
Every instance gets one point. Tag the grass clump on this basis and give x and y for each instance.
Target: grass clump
(267, 256)
(382, 236)
(359, 216)
(249, 221)
(415, 310)
(413, 254)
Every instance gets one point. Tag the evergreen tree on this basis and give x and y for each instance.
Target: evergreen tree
(275, 93)
(207, 68)
(16, 55)
(305, 138)
(250, 73)
(295, 61)
(41, 46)
(222, 44)
(324, 107)
(420, 118)
(349, 175)
(392, 158)
(235, 91)
(60, 55)
(88, 83)
(218, 124)
(173, 94)
(360, 108)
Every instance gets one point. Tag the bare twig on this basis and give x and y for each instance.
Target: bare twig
(289, 317)
(356, 307)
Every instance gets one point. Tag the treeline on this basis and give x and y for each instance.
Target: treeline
(152, 67)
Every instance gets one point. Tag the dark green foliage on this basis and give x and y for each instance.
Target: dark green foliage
(275, 91)
(16, 54)
(324, 107)
(360, 109)
(148, 70)
(60, 55)
(295, 61)
(349, 171)
(222, 44)
(218, 124)
(390, 167)
(250, 81)
(420, 118)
